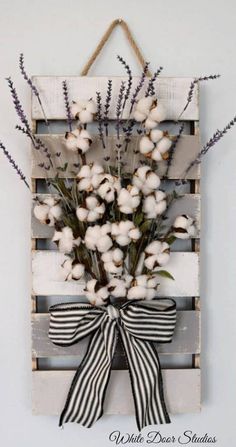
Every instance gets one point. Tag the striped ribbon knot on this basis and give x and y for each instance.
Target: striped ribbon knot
(139, 325)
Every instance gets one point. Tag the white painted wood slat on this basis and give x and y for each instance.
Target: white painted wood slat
(181, 387)
(188, 204)
(46, 275)
(186, 150)
(172, 93)
(185, 341)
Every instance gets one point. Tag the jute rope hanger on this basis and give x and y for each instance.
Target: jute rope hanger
(104, 39)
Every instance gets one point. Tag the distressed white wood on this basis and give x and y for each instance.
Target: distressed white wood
(181, 388)
(185, 340)
(188, 204)
(172, 92)
(186, 151)
(46, 275)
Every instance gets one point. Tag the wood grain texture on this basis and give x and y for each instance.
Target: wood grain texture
(188, 204)
(181, 387)
(46, 275)
(186, 150)
(172, 92)
(185, 340)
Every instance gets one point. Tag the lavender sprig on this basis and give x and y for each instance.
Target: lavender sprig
(192, 86)
(67, 104)
(18, 107)
(14, 165)
(119, 107)
(37, 142)
(139, 86)
(210, 143)
(130, 79)
(99, 118)
(150, 88)
(32, 86)
(107, 105)
(172, 149)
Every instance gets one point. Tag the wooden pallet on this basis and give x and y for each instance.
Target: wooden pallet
(181, 382)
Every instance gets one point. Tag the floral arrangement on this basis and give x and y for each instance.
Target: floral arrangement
(111, 221)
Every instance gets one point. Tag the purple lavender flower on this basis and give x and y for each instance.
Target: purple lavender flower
(67, 104)
(14, 165)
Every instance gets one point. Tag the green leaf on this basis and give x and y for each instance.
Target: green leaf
(138, 218)
(146, 226)
(164, 274)
(170, 240)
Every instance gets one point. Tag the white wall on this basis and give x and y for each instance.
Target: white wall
(190, 39)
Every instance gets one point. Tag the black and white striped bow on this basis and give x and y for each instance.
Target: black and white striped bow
(139, 325)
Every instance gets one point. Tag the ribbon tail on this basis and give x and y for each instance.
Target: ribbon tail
(146, 380)
(85, 399)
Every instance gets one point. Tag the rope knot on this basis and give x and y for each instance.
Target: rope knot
(113, 312)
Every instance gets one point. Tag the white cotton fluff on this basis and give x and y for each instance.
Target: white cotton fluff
(124, 232)
(96, 237)
(113, 261)
(155, 204)
(108, 186)
(48, 211)
(89, 177)
(95, 294)
(65, 240)
(161, 149)
(70, 270)
(156, 135)
(117, 287)
(156, 115)
(143, 287)
(146, 180)
(84, 110)
(78, 140)
(128, 199)
(146, 145)
(184, 227)
(92, 210)
(157, 254)
(142, 109)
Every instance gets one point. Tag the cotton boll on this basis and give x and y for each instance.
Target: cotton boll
(139, 116)
(146, 180)
(150, 124)
(183, 227)
(156, 135)
(157, 254)
(117, 255)
(117, 288)
(122, 240)
(136, 293)
(152, 282)
(154, 247)
(150, 294)
(128, 199)
(151, 262)
(41, 212)
(84, 110)
(104, 243)
(164, 145)
(152, 181)
(144, 104)
(154, 205)
(97, 296)
(89, 177)
(158, 113)
(81, 213)
(91, 106)
(134, 234)
(146, 145)
(78, 271)
(85, 117)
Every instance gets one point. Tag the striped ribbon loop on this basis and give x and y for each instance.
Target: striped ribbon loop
(139, 325)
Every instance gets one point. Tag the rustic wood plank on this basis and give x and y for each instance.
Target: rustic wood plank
(181, 387)
(172, 92)
(185, 341)
(187, 149)
(188, 204)
(46, 275)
